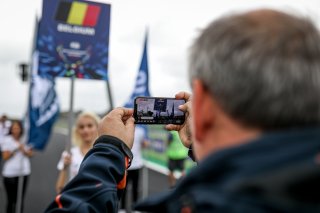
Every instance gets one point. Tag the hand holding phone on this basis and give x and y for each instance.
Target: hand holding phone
(184, 129)
(158, 110)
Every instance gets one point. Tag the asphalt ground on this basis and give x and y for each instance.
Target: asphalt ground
(41, 186)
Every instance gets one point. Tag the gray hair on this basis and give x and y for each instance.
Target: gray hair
(262, 67)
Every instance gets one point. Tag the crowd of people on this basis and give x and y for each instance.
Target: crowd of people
(252, 126)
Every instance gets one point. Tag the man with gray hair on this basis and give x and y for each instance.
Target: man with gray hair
(253, 124)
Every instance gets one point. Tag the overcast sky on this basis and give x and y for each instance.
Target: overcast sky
(173, 24)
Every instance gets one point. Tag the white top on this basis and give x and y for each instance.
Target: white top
(137, 161)
(18, 164)
(76, 159)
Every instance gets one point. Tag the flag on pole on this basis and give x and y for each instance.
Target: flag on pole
(43, 108)
(142, 81)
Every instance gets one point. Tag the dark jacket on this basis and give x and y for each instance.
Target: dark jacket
(99, 184)
(278, 172)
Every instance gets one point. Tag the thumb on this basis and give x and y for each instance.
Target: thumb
(130, 123)
(130, 132)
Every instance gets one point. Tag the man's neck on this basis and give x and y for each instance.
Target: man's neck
(227, 133)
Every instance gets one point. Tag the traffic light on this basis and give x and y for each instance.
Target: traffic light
(24, 71)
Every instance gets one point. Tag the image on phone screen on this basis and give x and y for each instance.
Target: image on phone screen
(156, 110)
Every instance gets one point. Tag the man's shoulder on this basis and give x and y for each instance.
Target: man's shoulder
(256, 176)
(293, 188)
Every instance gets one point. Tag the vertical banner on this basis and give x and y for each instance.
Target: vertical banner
(141, 87)
(142, 81)
(74, 39)
(43, 108)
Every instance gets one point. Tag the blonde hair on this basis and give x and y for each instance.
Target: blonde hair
(76, 139)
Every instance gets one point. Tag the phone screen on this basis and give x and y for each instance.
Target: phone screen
(156, 110)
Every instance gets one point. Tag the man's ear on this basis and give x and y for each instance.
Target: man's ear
(203, 110)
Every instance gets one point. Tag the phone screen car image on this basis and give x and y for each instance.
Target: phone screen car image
(158, 110)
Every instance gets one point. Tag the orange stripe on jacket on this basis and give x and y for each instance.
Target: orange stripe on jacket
(58, 201)
(122, 184)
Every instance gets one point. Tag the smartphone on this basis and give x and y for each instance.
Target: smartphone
(157, 110)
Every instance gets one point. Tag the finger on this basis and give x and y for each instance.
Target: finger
(127, 111)
(127, 116)
(174, 127)
(121, 112)
(183, 95)
(130, 123)
(183, 107)
(128, 119)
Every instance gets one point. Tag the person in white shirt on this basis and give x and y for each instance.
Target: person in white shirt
(15, 154)
(136, 166)
(85, 132)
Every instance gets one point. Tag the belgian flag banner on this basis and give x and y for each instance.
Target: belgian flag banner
(78, 13)
(73, 39)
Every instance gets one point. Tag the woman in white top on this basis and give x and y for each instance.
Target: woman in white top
(85, 132)
(16, 164)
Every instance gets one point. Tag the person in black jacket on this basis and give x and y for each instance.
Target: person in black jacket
(253, 125)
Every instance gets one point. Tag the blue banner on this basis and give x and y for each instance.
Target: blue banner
(43, 108)
(74, 39)
(142, 81)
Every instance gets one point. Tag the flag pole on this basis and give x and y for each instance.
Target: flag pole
(70, 120)
(145, 181)
(109, 95)
(20, 190)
